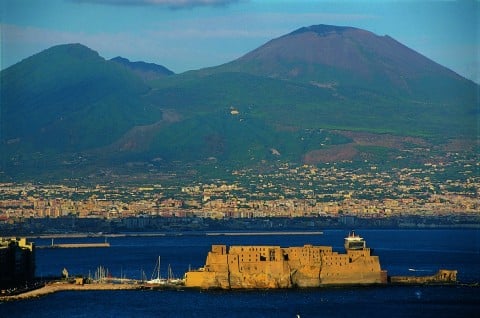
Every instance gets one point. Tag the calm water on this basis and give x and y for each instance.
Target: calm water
(399, 250)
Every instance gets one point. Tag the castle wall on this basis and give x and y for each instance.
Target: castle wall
(355, 267)
(258, 267)
(206, 280)
(276, 267)
(261, 275)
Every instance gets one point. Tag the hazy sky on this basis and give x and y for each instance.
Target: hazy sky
(192, 34)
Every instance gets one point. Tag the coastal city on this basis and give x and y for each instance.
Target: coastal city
(231, 158)
(342, 191)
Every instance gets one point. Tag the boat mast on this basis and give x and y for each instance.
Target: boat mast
(170, 273)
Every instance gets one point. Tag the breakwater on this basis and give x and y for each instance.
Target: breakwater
(272, 233)
(76, 245)
(109, 284)
(54, 287)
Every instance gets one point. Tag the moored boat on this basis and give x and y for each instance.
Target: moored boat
(157, 279)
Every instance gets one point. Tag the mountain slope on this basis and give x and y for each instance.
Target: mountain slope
(146, 71)
(335, 77)
(297, 98)
(68, 98)
(346, 56)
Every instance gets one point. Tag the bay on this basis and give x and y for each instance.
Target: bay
(400, 252)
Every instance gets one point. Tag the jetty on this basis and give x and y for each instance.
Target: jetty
(75, 245)
(443, 276)
(79, 284)
(54, 287)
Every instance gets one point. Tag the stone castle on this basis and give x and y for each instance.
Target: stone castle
(278, 267)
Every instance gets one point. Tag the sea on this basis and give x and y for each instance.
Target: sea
(401, 252)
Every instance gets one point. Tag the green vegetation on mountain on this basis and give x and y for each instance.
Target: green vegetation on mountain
(68, 98)
(304, 106)
(297, 98)
(146, 71)
(238, 138)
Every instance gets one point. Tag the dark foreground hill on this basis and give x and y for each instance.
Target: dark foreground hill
(321, 93)
(68, 98)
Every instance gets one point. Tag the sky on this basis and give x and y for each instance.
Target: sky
(184, 35)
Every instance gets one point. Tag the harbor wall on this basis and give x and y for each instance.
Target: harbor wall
(442, 276)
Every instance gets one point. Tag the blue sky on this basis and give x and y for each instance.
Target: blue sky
(191, 34)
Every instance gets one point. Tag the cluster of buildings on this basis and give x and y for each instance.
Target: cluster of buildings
(285, 190)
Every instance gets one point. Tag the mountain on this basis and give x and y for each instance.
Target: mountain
(335, 78)
(68, 98)
(147, 71)
(332, 56)
(319, 93)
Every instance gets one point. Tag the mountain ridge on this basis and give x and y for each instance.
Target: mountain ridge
(147, 71)
(295, 94)
(54, 98)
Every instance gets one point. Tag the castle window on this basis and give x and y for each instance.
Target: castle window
(272, 255)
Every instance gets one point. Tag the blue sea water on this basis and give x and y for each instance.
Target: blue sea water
(400, 252)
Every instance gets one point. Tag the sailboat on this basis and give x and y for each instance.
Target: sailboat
(171, 278)
(158, 279)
